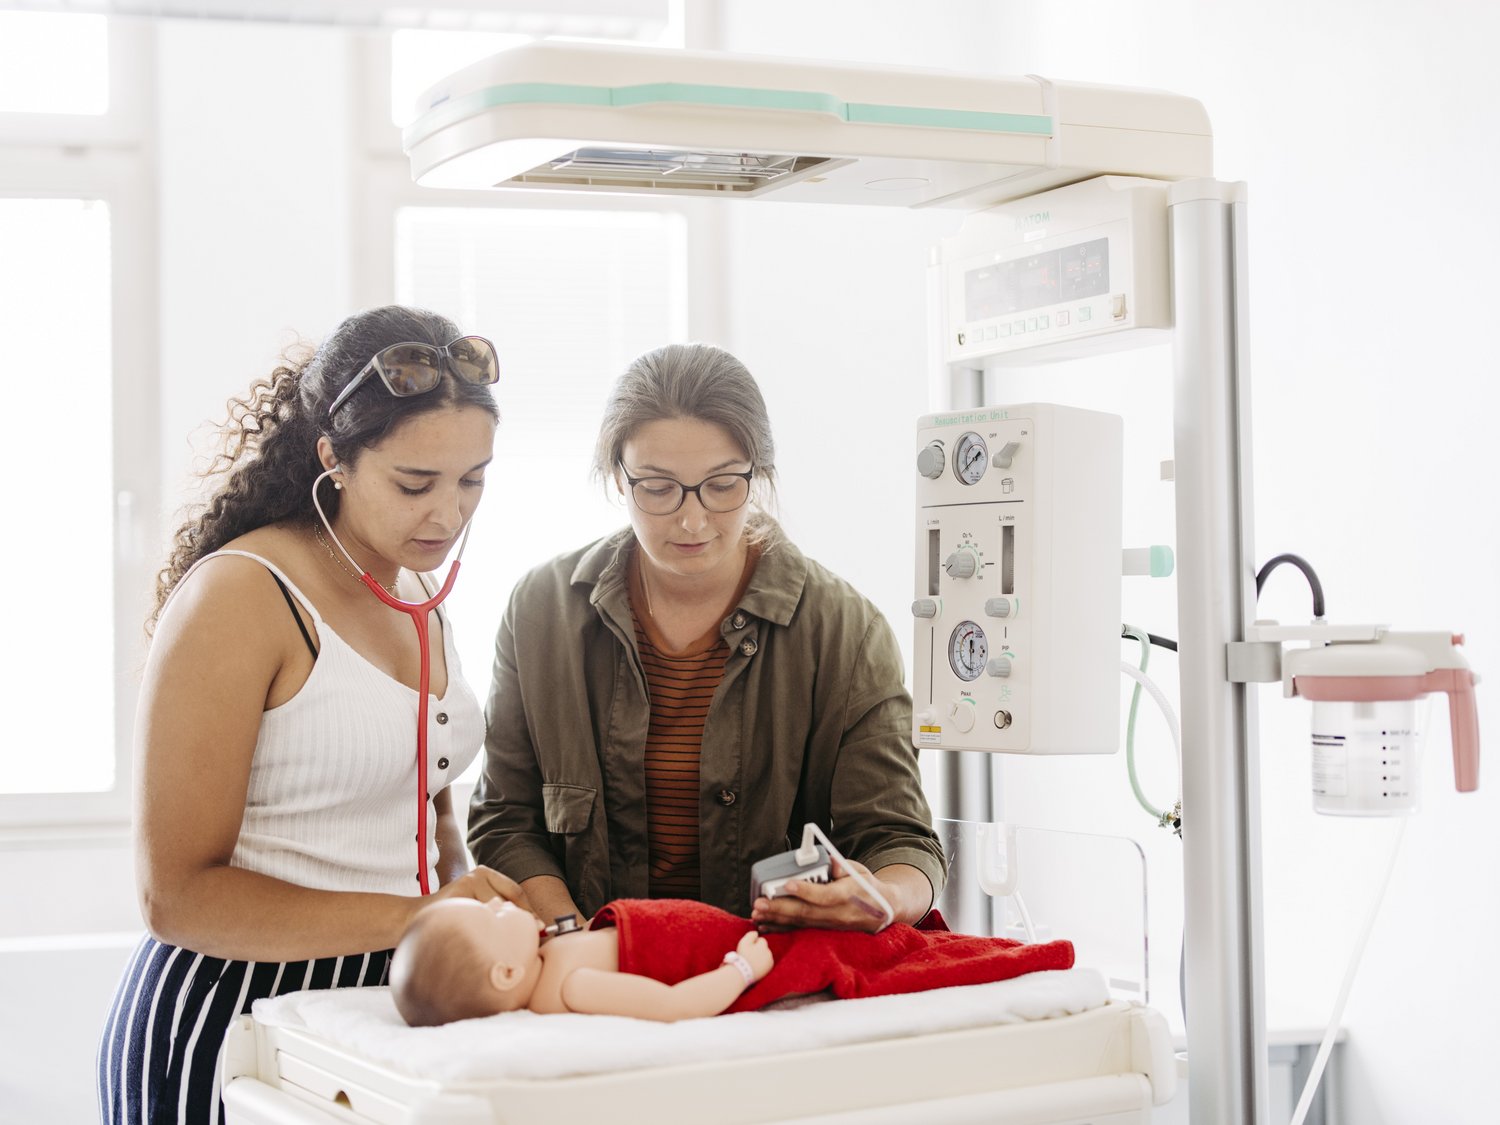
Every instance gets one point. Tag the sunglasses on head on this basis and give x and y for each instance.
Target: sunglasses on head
(413, 369)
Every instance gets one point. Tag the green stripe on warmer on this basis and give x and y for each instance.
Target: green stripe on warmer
(974, 120)
(737, 97)
(734, 97)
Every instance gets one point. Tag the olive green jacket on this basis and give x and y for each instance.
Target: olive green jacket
(810, 722)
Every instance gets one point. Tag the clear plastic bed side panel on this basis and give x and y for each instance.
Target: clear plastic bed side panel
(1044, 885)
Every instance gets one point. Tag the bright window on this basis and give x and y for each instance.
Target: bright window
(53, 63)
(55, 289)
(569, 297)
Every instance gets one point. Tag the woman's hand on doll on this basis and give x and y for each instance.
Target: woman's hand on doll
(482, 883)
(753, 948)
(841, 904)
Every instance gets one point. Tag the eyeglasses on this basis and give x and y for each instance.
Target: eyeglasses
(414, 369)
(661, 496)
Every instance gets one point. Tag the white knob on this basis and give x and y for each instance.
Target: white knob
(962, 715)
(961, 564)
(930, 461)
(1000, 666)
(924, 607)
(997, 607)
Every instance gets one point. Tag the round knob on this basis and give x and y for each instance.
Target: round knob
(997, 607)
(931, 460)
(1002, 719)
(924, 607)
(1000, 666)
(962, 715)
(961, 564)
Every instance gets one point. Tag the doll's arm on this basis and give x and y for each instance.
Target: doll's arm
(604, 993)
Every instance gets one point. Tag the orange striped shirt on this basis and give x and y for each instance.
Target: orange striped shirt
(681, 686)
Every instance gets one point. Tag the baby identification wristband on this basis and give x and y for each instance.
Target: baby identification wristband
(733, 958)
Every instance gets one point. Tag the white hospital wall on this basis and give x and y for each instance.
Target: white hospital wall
(1374, 230)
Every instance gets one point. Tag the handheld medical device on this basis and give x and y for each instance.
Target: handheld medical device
(1018, 580)
(769, 876)
(812, 860)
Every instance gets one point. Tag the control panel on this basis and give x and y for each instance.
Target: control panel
(1017, 601)
(1059, 274)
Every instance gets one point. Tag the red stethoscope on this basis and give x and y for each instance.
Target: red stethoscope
(419, 612)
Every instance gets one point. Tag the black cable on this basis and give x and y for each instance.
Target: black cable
(1307, 571)
(1160, 642)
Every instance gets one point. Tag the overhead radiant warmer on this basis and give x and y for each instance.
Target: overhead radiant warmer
(588, 118)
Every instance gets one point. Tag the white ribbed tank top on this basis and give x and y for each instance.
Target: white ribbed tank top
(332, 801)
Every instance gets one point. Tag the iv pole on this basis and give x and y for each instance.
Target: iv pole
(1225, 959)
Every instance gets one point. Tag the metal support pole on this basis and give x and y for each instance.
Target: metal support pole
(965, 778)
(1225, 994)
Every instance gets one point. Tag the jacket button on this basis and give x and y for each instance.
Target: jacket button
(738, 620)
(442, 763)
(442, 718)
(748, 647)
(726, 797)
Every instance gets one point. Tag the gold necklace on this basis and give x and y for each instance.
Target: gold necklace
(391, 589)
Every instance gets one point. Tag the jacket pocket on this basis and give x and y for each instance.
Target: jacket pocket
(567, 807)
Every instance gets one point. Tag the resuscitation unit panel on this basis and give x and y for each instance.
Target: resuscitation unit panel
(1017, 607)
(1075, 271)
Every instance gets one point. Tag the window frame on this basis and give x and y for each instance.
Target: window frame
(105, 157)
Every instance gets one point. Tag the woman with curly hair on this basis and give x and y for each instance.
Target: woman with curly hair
(274, 742)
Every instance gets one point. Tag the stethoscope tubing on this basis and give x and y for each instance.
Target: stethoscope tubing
(420, 614)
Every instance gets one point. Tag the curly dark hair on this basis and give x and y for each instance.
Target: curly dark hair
(268, 444)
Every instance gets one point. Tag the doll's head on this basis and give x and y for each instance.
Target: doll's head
(460, 959)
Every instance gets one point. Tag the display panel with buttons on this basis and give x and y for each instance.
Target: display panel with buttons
(1042, 277)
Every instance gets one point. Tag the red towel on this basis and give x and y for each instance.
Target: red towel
(673, 939)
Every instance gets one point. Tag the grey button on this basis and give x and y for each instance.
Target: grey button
(748, 647)
(442, 763)
(727, 797)
(442, 718)
(738, 620)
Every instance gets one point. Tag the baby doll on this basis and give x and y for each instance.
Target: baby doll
(663, 959)
(461, 958)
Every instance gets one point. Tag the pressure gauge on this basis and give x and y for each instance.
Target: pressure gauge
(968, 651)
(970, 458)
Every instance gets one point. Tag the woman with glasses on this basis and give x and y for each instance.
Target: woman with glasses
(673, 703)
(277, 795)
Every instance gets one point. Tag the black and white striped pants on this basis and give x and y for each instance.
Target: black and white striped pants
(159, 1055)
